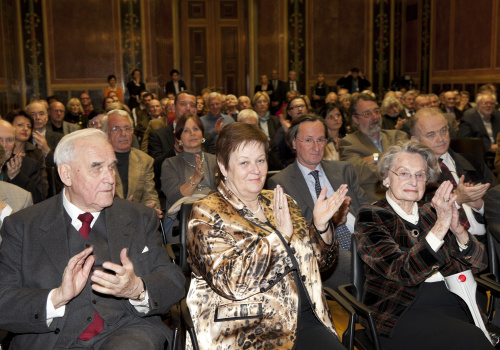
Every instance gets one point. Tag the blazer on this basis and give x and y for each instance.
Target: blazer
(161, 146)
(141, 183)
(170, 87)
(53, 139)
(337, 172)
(472, 126)
(348, 83)
(29, 178)
(491, 210)
(396, 263)
(35, 252)
(354, 147)
(154, 124)
(67, 127)
(298, 84)
(15, 197)
(244, 289)
(173, 176)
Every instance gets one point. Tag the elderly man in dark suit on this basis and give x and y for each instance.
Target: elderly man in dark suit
(84, 269)
(484, 122)
(309, 173)
(57, 123)
(470, 176)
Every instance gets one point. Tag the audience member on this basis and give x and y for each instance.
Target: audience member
(279, 92)
(135, 86)
(293, 84)
(74, 113)
(215, 120)
(192, 171)
(99, 301)
(57, 122)
(319, 92)
(175, 86)
(335, 125)
(113, 88)
(249, 116)
(364, 147)
(409, 103)
(264, 86)
(232, 104)
(86, 103)
(449, 105)
(392, 118)
(353, 81)
(20, 170)
(244, 103)
(303, 180)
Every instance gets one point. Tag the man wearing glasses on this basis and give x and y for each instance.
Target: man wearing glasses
(134, 173)
(303, 180)
(364, 147)
(483, 123)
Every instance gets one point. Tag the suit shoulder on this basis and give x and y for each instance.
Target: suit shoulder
(45, 209)
(141, 155)
(395, 135)
(11, 188)
(129, 208)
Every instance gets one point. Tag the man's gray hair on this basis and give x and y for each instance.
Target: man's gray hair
(411, 147)
(104, 121)
(65, 150)
(483, 94)
(248, 113)
(213, 95)
(388, 102)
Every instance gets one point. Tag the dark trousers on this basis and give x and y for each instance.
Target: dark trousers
(436, 320)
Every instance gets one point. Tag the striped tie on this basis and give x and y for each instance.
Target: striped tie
(342, 232)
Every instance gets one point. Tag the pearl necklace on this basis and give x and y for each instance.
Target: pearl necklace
(258, 202)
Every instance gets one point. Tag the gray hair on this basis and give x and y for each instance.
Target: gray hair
(213, 95)
(483, 94)
(248, 113)
(388, 102)
(231, 97)
(65, 150)
(411, 147)
(104, 121)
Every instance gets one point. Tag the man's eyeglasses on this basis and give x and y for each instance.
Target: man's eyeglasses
(118, 129)
(407, 176)
(310, 142)
(368, 114)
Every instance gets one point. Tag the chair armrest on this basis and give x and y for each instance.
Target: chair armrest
(188, 322)
(346, 291)
(175, 317)
(487, 281)
(171, 253)
(348, 336)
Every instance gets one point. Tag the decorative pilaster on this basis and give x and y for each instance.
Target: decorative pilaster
(381, 49)
(426, 44)
(130, 12)
(297, 38)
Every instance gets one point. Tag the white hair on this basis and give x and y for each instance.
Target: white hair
(104, 121)
(65, 150)
(248, 113)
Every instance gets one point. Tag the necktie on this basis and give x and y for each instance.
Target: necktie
(447, 175)
(342, 232)
(86, 219)
(97, 324)
(293, 86)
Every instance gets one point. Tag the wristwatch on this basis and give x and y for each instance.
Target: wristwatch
(375, 157)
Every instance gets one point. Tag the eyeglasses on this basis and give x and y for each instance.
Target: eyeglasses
(310, 142)
(118, 129)
(407, 176)
(368, 114)
(94, 123)
(297, 107)
(487, 103)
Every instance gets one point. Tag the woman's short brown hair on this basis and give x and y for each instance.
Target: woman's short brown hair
(234, 135)
(181, 123)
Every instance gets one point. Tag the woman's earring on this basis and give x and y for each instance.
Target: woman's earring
(180, 143)
(203, 140)
(225, 178)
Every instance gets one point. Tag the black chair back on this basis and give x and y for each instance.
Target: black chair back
(473, 145)
(492, 256)
(357, 271)
(183, 216)
(51, 179)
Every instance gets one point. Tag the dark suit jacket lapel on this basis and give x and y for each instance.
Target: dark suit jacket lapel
(336, 180)
(463, 166)
(480, 124)
(120, 231)
(301, 185)
(53, 236)
(133, 172)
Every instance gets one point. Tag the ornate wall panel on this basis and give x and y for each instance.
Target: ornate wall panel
(411, 41)
(297, 38)
(163, 43)
(381, 46)
(270, 33)
(337, 39)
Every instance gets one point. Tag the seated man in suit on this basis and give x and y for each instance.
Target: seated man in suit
(470, 176)
(140, 115)
(57, 123)
(364, 147)
(450, 105)
(134, 178)
(175, 86)
(84, 269)
(162, 143)
(12, 197)
(309, 173)
(43, 138)
(483, 123)
(20, 170)
(354, 81)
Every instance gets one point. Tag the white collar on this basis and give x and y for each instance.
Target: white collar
(413, 217)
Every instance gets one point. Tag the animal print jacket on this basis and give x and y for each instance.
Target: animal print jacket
(244, 292)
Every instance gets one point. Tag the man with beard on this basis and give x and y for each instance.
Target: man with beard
(364, 147)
